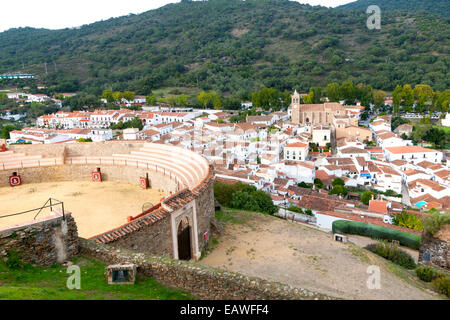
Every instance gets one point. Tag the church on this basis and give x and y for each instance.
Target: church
(323, 114)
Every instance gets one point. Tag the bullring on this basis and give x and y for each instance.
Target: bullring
(178, 226)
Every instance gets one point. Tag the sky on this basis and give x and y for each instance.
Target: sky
(59, 14)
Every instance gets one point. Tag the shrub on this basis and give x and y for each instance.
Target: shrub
(13, 260)
(376, 232)
(408, 220)
(442, 284)
(338, 182)
(309, 212)
(426, 273)
(391, 252)
(224, 191)
(304, 185)
(295, 209)
(434, 221)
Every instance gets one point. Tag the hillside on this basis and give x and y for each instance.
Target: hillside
(234, 46)
(439, 7)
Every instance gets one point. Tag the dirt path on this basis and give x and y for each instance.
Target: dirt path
(96, 207)
(278, 250)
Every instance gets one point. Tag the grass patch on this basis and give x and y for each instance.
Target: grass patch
(446, 129)
(49, 283)
(233, 216)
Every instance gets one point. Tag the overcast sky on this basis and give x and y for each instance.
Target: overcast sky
(58, 14)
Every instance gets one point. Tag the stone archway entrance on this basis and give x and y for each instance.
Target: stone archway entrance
(184, 240)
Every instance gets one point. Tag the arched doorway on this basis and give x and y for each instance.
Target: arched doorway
(184, 240)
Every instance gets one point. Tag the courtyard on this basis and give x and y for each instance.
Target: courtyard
(277, 250)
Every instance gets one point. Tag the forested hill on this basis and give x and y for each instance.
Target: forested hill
(234, 46)
(440, 7)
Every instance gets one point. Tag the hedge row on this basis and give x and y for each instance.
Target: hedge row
(377, 232)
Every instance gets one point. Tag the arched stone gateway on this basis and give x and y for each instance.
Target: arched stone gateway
(184, 240)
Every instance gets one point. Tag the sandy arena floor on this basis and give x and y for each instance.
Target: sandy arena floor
(96, 207)
(274, 249)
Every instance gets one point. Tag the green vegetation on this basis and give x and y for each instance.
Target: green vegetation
(338, 187)
(440, 281)
(393, 253)
(435, 220)
(135, 123)
(442, 284)
(366, 197)
(426, 132)
(376, 232)
(241, 196)
(6, 129)
(25, 282)
(408, 220)
(439, 7)
(233, 216)
(425, 273)
(305, 185)
(397, 121)
(236, 47)
(300, 210)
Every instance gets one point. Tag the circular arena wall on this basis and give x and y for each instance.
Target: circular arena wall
(182, 174)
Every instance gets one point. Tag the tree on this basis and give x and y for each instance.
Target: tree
(171, 99)
(128, 95)
(151, 100)
(5, 130)
(217, 102)
(442, 101)
(366, 197)
(117, 96)
(338, 182)
(397, 96)
(333, 92)
(408, 96)
(182, 100)
(319, 184)
(267, 98)
(378, 97)
(204, 98)
(423, 92)
(314, 96)
(108, 95)
(339, 190)
(348, 91)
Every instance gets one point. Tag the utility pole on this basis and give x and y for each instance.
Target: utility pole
(46, 72)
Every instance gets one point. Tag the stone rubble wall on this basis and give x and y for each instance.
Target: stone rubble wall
(47, 241)
(201, 281)
(438, 250)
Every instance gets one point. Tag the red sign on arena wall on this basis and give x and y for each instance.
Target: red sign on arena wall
(143, 182)
(15, 181)
(96, 176)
